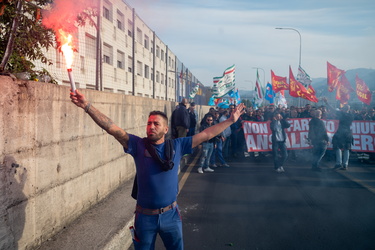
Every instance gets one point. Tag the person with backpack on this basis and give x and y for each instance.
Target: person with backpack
(156, 164)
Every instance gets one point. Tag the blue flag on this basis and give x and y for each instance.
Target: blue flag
(270, 94)
(211, 102)
(238, 98)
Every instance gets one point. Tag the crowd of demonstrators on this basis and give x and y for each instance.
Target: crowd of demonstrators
(234, 144)
(231, 142)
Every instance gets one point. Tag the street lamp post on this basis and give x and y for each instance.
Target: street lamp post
(300, 41)
(300, 49)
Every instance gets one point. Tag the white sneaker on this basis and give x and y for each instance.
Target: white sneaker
(279, 170)
(208, 169)
(225, 165)
(200, 170)
(282, 169)
(213, 166)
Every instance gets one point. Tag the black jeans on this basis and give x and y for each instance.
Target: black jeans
(280, 154)
(318, 152)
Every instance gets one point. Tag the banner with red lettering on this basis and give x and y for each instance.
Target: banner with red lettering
(258, 135)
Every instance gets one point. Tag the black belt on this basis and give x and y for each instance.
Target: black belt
(148, 211)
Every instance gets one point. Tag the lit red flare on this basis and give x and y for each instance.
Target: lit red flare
(66, 41)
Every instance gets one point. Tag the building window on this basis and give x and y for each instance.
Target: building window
(139, 68)
(147, 42)
(162, 55)
(157, 76)
(120, 20)
(120, 60)
(152, 74)
(162, 79)
(58, 59)
(107, 10)
(147, 71)
(157, 51)
(107, 54)
(90, 43)
(169, 61)
(130, 64)
(82, 62)
(130, 28)
(139, 36)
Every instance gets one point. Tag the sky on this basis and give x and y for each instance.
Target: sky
(210, 35)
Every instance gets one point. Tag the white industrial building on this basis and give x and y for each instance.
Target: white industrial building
(132, 59)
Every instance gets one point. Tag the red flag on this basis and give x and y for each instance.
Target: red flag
(343, 90)
(278, 83)
(296, 89)
(311, 90)
(333, 76)
(363, 92)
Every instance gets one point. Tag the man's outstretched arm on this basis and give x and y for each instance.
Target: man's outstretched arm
(99, 118)
(212, 131)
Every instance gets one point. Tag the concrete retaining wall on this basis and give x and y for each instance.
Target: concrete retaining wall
(55, 162)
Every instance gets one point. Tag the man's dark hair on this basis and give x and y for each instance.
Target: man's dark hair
(162, 114)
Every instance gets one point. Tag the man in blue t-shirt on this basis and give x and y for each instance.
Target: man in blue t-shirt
(156, 211)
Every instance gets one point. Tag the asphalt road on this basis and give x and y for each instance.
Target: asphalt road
(250, 206)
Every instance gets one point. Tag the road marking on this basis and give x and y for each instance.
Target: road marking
(187, 173)
(358, 181)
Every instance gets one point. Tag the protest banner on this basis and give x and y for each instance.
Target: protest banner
(258, 135)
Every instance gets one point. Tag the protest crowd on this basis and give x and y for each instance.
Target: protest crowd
(231, 143)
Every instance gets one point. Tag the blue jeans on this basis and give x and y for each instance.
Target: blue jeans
(191, 132)
(226, 147)
(318, 152)
(342, 158)
(206, 154)
(279, 148)
(218, 151)
(168, 225)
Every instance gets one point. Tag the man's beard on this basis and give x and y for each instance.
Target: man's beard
(155, 136)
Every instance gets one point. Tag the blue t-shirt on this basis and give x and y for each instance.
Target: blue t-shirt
(157, 188)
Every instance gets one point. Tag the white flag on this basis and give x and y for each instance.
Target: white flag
(258, 91)
(225, 83)
(303, 77)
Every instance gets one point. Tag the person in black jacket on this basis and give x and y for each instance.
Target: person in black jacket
(343, 138)
(193, 119)
(279, 150)
(318, 138)
(180, 120)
